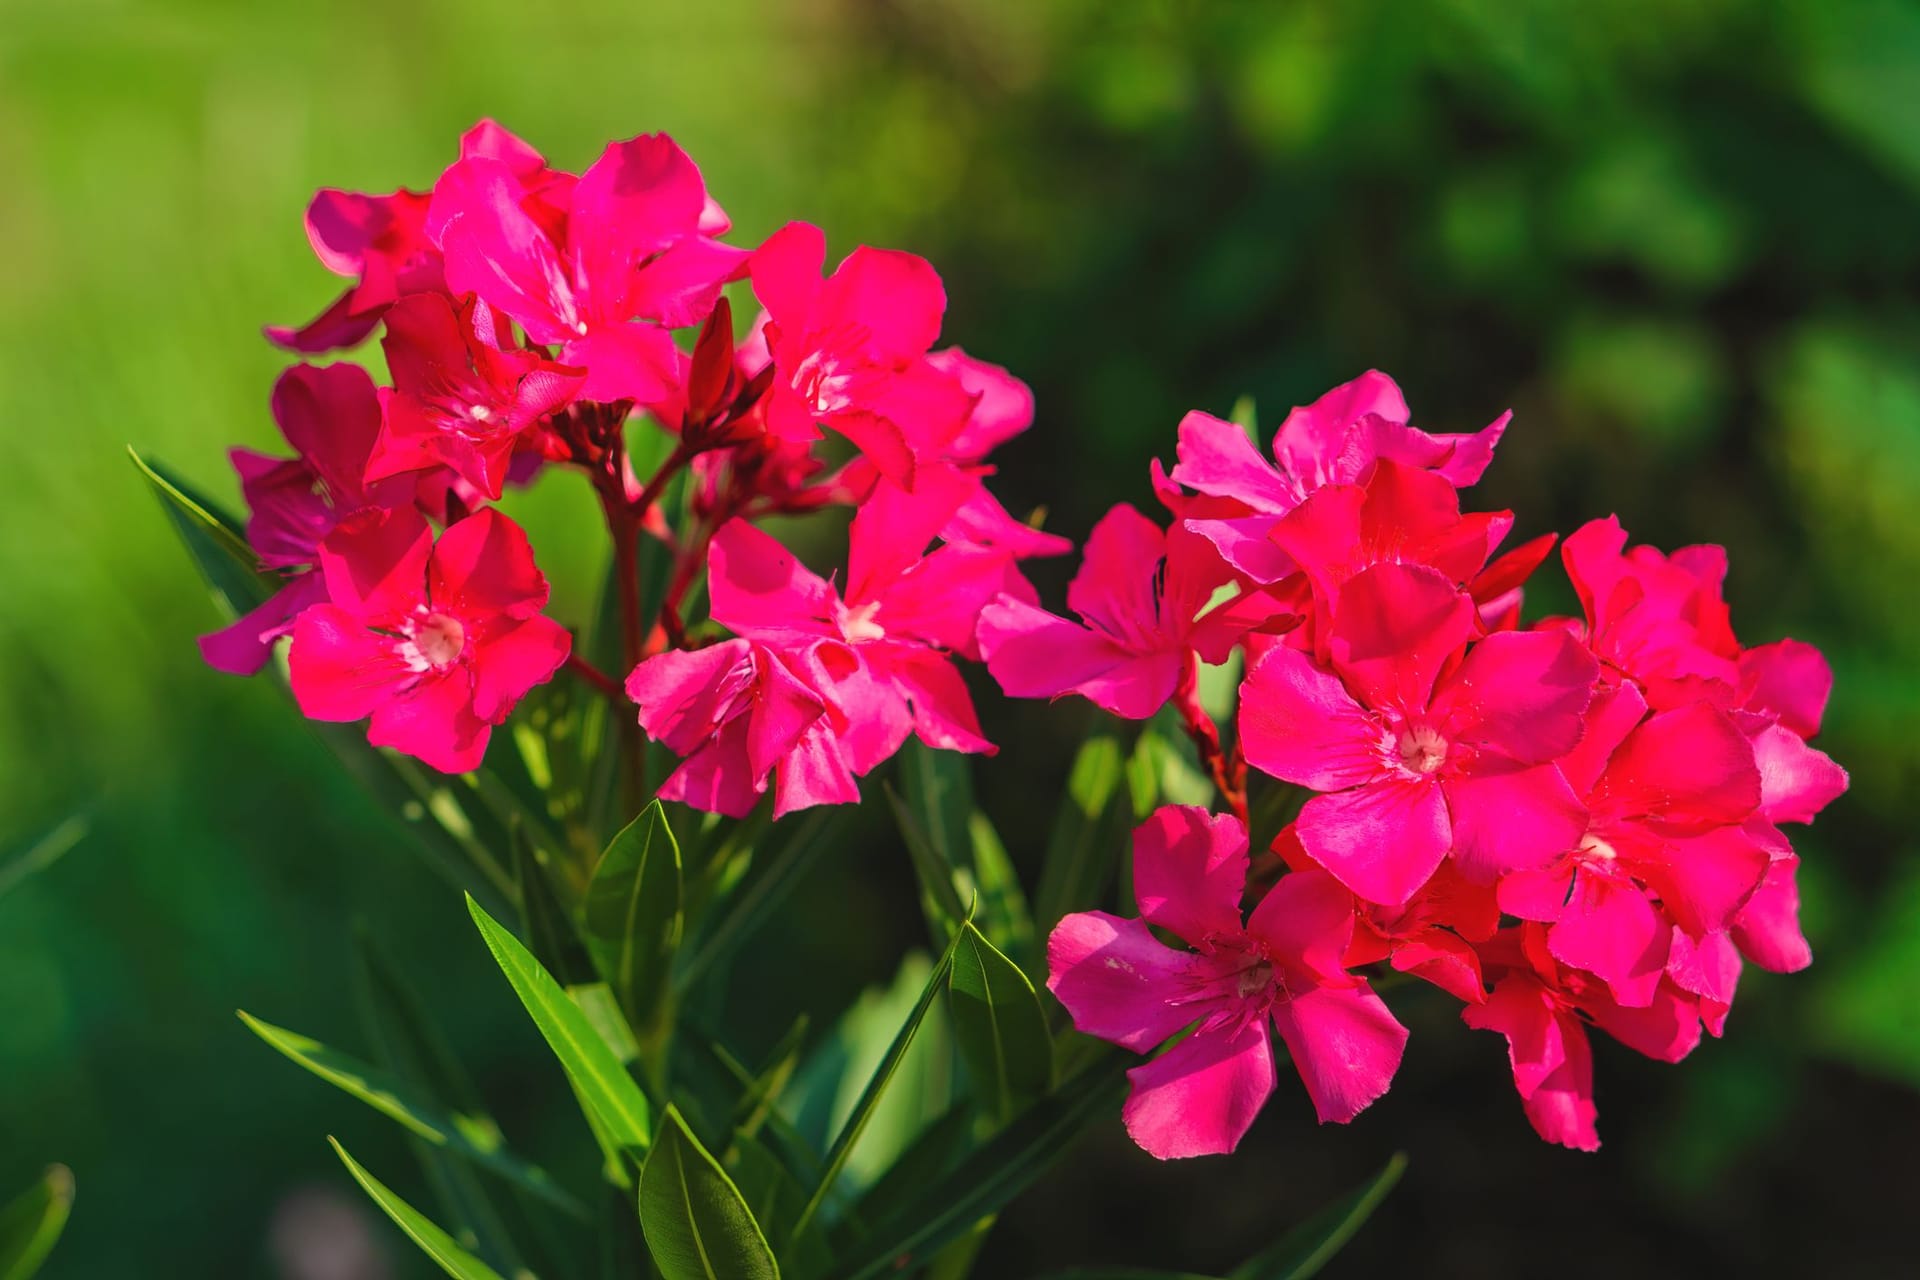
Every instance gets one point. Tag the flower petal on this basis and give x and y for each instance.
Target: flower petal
(1189, 868)
(1200, 1097)
(1345, 1044)
(1117, 980)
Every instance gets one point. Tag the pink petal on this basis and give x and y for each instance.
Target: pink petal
(892, 528)
(1524, 1011)
(1537, 894)
(511, 662)
(982, 520)
(343, 324)
(635, 362)
(759, 588)
(243, 647)
(1789, 681)
(1200, 1097)
(1311, 441)
(1002, 404)
(1610, 929)
(1298, 723)
(1614, 713)
(1382, 840)
(685, 695)
(1117, 980)
(870, 715)
(494, 249)
(1796, 781)
(1690, 766)
(1393, 627)
(896, 297)
(786, 273)
(376, 564)
(1704, 880)
(1708, 968)
(1667, 1029)
(943, 715)
(435, 723)
(339, 670)
(330, 414)
(1517, 696)
(1505, 822)
(1189, 867)
(1033, 654)
(1306, 922)
(484, 565)
(678, 288)
(489, 138)
(1444, 959)
(1345, 1044)
(784, 709)
(814, 772)
(636, 199)
(717, 777)
(1217, 458)
(1115, 589)
(1767, 930)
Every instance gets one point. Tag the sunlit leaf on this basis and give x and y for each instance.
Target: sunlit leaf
(433, 1241)
(633, 913)
(32, 1221)
(999, 1025)
(697, 1225)
(1085, 845)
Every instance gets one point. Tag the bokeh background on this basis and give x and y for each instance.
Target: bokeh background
(1680, 241)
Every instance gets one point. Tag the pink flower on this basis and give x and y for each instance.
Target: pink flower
(850, 352)
(1417, 751)
(381, 243)
(1139, 594)
(436, 642)
(331, 417)
(458, 398)
(1284, 964)
(1335, 440)
(878, 654)
(1543, 1009)
(1667, 800)
(739, 712)
(634, 258)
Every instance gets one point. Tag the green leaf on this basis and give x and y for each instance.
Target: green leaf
(214, 540)
(633, 913)
(937, 1149)
(939, 898)
(475, 1139)
(774, 1196)
(31, 1223)
(42, 853)
(1164, 770)
(986, 1180)
(697, 1225)
(1087, 834)
(596, 1073)
(999, 1025)
(804, 842)
(407, 1042)
(876, 1086)
(938, 789)
(1003, 912)
(1246, 417)
(1311, 1245)
(433, 1241)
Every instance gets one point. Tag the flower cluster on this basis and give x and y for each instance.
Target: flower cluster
(1565, 824)
(529, 318)
(1569, 824)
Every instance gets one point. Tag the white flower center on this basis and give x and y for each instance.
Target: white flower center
(1421, 748)
(434, 642)
(857, 624)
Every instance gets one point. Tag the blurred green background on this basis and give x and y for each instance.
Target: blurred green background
(1680, 241)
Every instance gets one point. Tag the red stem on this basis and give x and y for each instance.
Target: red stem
(608, 687)
(1229, 773)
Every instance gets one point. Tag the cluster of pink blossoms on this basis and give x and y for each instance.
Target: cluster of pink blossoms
(528, 317)
(1567, 824)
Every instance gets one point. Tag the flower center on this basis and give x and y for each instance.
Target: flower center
(436, 641)
(857, 623)
(1598, 850)
(1421, 748)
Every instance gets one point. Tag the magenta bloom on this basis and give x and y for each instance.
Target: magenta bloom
(635, 258)
(436, 642)
(1412, 762)
(850, 352)
(1139, 594)
(738, 712)
(1335, 440)
(1284, 964)
(1667, 800)
(331, 416)
(458, 399)
(877, 653)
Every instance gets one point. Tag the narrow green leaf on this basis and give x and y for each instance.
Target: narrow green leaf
(407, 1043)
(433, 1241)
(1088, 833)
(213, 538)
(1003, 912)
(938, 789)
(937, 1149)
(633, 913)
(774, 1197)
(42, 853)
(876, 1086)
(804, 841)
(1311, 1245)
(475, 1139)
(985, 1181)
(592, 1067)
(939, 898)
(31, 1223)
(1164, 770)
(697, 1225)
(999, 1025)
